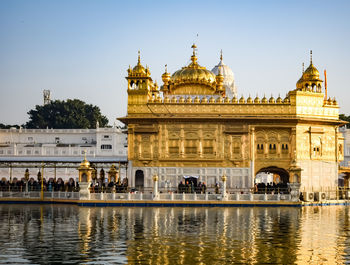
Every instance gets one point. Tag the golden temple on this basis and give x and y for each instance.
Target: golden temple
(189, 127)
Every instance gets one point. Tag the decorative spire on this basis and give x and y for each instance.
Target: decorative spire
(194, 47)
(139, 60)
(221, 55)
(303, 68)
(310, 56)
(166, 68)
(194, 57)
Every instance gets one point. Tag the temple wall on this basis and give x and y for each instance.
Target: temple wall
(318, 175)
(236, 177)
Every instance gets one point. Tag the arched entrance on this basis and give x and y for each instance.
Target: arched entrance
(272, 180)
(139, 179)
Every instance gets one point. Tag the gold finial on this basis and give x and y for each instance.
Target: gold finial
(303, 68)
(310, 56)
(166, 68)
(221, 55)
(194, 57)
(139, 61)
(194, 47)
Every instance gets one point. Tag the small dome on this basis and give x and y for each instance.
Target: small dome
(272, 99)
(166, 99)
(188, 100)
(173, 100)
(249, 100)
(229, 79)
(204, 100)
(85, 163)
(234, 99)
(227, 100)
(181, 99)
(264, 100)
(286, 99)
(220, 100)
(197, 100)
(139, 69)
(279, 100)
(212, 100)
(242, 100)
(311, 73)
(257, 100)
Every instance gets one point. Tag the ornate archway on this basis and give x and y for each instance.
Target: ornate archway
(274, 180)
(139, 179)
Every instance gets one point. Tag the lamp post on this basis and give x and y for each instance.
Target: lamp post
(42, 181)
(155, 187)
(26, 177)
(224, 194)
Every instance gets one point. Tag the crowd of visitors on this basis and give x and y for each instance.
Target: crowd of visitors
(35, 185)
(272, 188)
(110, 187)
(191, 186)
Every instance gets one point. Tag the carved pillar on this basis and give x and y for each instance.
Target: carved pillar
(224, 194)
(252, 152)
(155, 187)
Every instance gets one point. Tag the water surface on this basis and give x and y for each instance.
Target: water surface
(65, 234)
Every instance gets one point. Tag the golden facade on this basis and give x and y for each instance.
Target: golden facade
(189, 127)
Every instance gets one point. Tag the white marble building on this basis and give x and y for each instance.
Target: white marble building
(102, 145)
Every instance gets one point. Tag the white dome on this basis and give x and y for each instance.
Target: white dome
(229, 78)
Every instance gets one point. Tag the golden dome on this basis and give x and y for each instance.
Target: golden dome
(311, 73)
(194, 73)
(286, 99)
(279, 100)
(204, 100)
(139, 69)
(242, 100)
(257, 99)
(220, 100)
(227, 100)
(272, 99)
(249, 100)
(264, 100)
(188, 100)
(197, 100)
(85, 163)
(234, 99)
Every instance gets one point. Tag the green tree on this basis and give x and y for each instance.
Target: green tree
(345, 118)
(69, 114)
(8, 126)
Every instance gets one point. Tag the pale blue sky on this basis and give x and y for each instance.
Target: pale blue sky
(82, 49)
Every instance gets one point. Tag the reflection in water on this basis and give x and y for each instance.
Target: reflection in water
(59, 233)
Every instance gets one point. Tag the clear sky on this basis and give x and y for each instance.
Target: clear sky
(82, 49)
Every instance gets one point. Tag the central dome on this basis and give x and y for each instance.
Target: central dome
(193, 73)
(192, 79)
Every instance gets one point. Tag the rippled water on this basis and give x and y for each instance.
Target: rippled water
(59, 234)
